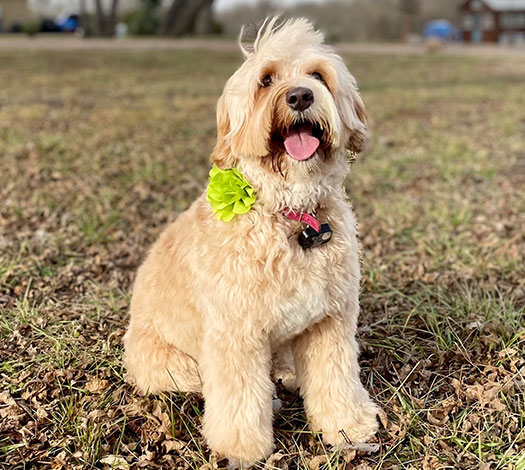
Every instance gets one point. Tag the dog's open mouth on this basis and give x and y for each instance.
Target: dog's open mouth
(302, 140)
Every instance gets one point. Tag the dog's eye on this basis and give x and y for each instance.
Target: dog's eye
(318, 76)
(267, 80)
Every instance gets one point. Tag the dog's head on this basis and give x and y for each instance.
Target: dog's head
(291, 105)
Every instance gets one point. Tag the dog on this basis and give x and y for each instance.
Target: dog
(263, 268)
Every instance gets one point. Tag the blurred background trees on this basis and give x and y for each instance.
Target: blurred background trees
(186, 17)
(175, 18)
(106, 20)
(344, 20)
(409, 9)
(351, 20)
(145, 19)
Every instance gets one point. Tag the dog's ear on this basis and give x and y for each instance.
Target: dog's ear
(357, 139)
(351, 109)
(247, 38)
(253, 33)
(222, 153)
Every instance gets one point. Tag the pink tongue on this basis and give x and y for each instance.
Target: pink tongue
(301, 144)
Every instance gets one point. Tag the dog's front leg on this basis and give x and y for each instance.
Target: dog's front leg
(336, 402)
(237, 389)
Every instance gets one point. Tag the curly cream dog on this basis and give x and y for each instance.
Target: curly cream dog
(215, 301)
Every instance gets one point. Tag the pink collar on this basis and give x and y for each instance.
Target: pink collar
(303, 217)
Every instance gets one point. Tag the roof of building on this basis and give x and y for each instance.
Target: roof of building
(505, 5)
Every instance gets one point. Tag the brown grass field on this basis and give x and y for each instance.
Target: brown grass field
(100, 150)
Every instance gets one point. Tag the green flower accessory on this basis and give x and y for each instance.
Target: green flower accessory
(229, 193)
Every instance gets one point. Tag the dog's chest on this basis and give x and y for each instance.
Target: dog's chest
(298, 312)
(310, 289)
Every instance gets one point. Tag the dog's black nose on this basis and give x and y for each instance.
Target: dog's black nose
(300, 98)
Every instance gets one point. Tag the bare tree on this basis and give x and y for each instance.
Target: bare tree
(171, 15)
(182, 17)
(340, 20)
(106, 22)
(409, 9)
(205, 22)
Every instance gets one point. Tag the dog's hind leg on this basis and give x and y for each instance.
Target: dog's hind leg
(156, 366)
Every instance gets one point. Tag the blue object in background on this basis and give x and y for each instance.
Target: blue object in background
(441, 29)
(68, 25)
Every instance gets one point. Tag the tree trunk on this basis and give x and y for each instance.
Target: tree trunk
(204, 23)
(172, 14)
(406, 26)
(409, 9)
(112, 22)
(101, 24)
(106, 24)
(181, 17)
(83, 17)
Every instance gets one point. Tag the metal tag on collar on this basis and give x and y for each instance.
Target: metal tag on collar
(310, 238)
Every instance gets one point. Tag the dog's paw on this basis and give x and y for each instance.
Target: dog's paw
(236, 464)
(243, 448)
(360, 428)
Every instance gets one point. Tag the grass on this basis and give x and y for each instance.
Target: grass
(99, 150)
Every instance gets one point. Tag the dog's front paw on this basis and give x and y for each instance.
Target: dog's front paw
(359, 427)
(242, 447)
(236, 464)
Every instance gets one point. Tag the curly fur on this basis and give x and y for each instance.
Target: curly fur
(214, 301)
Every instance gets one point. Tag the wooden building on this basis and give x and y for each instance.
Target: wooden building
(500, 21)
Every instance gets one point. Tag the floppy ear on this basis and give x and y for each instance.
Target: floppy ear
(351, 110)
(253, 33)
(357, 139)
(222, 153)
(247, 38)
(232, 115)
